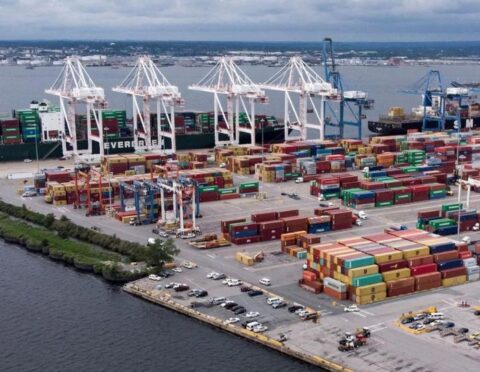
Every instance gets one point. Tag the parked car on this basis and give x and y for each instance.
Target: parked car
(271, 300)
(211, 275)
(219, 276)
(279, 304)
(189, 265)
(260, 328)
(177, 270)
(245, 288)
(252, 325)
(294, 308)
(231, 321)
(448, 325)
(407, 320)
(226, 302)
(265, 281)
(351, 309)
(234, 282)
(218, 300)
(252, 314)
(230, 305)
(171, 285)
(181, 288)
(254, 293)
(202, 293)
(241, 310)
(154, 277)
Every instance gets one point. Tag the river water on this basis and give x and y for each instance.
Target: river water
(53, 318)
(18, 85)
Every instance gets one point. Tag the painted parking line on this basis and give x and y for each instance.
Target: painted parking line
(366, 312)
(359, 314)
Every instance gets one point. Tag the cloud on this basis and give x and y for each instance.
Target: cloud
(250, 20)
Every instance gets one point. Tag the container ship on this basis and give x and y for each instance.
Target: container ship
(399, 122)
(38, 128)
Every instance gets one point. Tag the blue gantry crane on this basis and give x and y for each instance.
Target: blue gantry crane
(136, 189)
(430, 88)
(351, 104)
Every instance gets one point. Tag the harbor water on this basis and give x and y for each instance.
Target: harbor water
(54, 318)
(383, 84)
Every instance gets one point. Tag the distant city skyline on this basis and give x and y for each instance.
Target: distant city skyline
(241, 20)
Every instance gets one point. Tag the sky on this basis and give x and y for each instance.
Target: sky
(241, 20)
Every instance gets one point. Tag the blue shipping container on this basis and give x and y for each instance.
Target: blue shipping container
(450, 264)
(444, 247)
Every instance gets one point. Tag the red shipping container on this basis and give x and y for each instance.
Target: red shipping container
(428, 285)
(429, 214)
(424, 269)
(341, 296)
(445, 256)
(464, 255)
(401, 283)
(422, 260)
(392, 292)
(428, 278)
(451, 273)
(394, 265)
(248, 240)
(245, 226)
(269, 225)
(289, 213)
(262, 217)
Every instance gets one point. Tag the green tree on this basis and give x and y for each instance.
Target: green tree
(161, 252)
(49, 220)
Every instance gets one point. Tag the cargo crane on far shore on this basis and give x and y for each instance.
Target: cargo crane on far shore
(73, 85)
(439, 104)
(351, 103)
(146, 81)
(296, 77)
(227, 79)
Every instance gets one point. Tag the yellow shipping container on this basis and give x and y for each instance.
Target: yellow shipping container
(371, 289)
(396, 274)
(371, 298)
(388, 257)
(345, 279)
(456, 280)
(361, 271)
(415, 252)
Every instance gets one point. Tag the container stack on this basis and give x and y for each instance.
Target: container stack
(449, 220)
(10, 131)
(30, 125)
(371, 268)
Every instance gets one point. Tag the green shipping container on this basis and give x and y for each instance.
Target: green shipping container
(359, 262)
(442, 222)
(248, 185)
(367, 280)
(451, 207)
(207, 188)
(384, 204)
(226, 191)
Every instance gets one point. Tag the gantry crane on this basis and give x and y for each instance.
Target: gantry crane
(227, 79)
(135, 189)
(73, 85)
(431, 89)
(351, 103)
(93, 208)
(181, 190)
(298, 78)
(146, 81)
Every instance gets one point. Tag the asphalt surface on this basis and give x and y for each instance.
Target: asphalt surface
(389, 349)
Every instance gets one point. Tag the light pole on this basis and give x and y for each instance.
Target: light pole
(262, 122)
(36, 148)
(108, 170)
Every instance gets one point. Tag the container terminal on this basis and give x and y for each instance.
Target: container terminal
(349, 254)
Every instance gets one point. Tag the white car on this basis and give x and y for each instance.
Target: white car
(234, 282)
(299, 180)
(252, 325)
(252, 314)
(272, 300)
(189, 265)
(265, 281)
(218, 300)
(301, 312)
(231, 321)
(154, 277)
(177, 270)
(211, 275)
(351, 309)
(163, 234)
(362, 215)
(260, 328)
(29, 194)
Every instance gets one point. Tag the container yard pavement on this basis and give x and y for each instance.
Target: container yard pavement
(390, 348)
